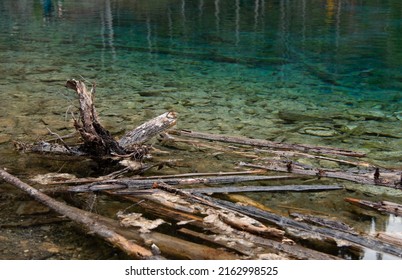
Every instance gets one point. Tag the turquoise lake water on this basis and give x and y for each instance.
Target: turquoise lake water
(313, 72)
(265, 69)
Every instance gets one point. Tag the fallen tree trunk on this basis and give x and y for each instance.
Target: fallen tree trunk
(387, 179)
(283, 222)
(266, 143)
(238, 238)
(293, 154)
(44, 147)
(126, 186)
(81, 217)
(381, 206)
(392, 238)
(329, 223)
(65, 178)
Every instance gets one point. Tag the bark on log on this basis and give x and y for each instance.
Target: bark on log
(81, 217)
(238, 223)
(284, 222)
(392, 238)
(329, 223)
(267, 144)
(148, 130)
(45, 147)
(97, 140)
(284, 251)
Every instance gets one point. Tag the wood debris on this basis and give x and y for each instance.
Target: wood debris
(230, 225)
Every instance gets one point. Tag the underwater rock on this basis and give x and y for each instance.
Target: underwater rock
(319, 131)
(50, 247)
(398, 115)
(3, 238)
(368, 115)
(156, 92)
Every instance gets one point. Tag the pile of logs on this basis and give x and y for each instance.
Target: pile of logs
(200, 206)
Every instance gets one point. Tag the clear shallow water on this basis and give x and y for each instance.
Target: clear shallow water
(317, 72)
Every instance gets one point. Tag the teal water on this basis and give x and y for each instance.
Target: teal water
(237, 67)
(315, 72)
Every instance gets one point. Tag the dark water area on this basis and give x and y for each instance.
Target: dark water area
(309, 72)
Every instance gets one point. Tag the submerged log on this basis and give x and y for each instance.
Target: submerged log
(44, 147)
(390, 180)
(127, 186)
(267, 144)
(81, 217)
(329, 223)
(381, 206)
(284, 222)
(286, 188)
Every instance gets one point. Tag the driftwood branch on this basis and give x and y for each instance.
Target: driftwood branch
(329, 223)
(81, 217)
(125, 186)
(266, 143)
(381, 206)
(44, 147)
(386, 179)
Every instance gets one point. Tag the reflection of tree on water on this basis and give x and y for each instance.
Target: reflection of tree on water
(47, 6)
(48, 9)
(107, 31)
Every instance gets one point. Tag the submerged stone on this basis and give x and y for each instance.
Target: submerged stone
(319, 131)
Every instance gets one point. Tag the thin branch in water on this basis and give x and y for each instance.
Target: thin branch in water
(59, 138)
